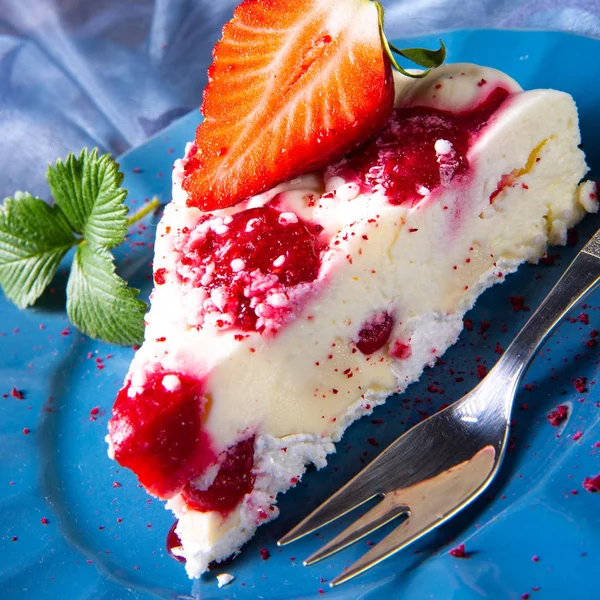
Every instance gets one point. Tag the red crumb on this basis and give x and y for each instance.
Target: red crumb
(44, 521)
(518, 303)
(400, 350)
(580, 384)
(584, 318)
(458, 552)
(481, 372)
(468, 324)
(577, 436)
(15, 393)
(26, 430)
(592, 484)
(265, 554)
(557, 416)
(535, 558)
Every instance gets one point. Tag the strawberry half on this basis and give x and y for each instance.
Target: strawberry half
(293, 86)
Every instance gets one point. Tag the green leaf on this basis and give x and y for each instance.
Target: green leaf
(34, 237)
(422, 56)
(87, 188)
(99, 303)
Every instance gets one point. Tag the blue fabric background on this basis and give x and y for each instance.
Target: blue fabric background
(110, 73)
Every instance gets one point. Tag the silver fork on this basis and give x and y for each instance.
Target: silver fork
(442, 464)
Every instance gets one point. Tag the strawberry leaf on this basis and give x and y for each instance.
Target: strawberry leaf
(34, 237)
(423, 57)
(99, 302)
(420, 56)
(87, 189)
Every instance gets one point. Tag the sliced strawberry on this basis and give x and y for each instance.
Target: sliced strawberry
(293, 86)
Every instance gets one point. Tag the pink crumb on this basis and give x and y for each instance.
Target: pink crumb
(592, 484)
(584, 318)
(518, 303)
(556, 417)
(400, 350)
(458, 551)
(15, 393)
(580, 384)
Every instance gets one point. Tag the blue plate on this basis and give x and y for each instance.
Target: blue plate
(74, 525)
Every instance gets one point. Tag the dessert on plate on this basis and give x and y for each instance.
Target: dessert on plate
(329, 227)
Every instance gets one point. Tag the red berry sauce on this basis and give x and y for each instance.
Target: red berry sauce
(158, 433)
(234, 480)
(402, 160)
(251, 265)
(173, 541)
(375, 333)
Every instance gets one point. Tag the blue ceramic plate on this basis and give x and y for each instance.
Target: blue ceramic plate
(74, 525)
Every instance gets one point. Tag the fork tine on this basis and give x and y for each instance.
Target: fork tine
(378, 516)
(431, 502)
(356, 492)
(406, 533)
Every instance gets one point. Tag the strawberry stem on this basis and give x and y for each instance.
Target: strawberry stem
(420, 56)
(142, 212)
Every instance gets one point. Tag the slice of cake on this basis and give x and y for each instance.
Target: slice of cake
(278, 321)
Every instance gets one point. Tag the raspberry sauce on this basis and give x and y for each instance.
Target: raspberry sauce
(249, 264)
(158, 433)
(234, 480)
(404, 160)
(173, 541)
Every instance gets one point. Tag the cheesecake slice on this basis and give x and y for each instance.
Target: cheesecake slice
(277, 322)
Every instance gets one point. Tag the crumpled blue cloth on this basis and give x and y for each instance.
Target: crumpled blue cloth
(111, 73)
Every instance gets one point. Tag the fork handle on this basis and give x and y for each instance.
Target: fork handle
(581, 278)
